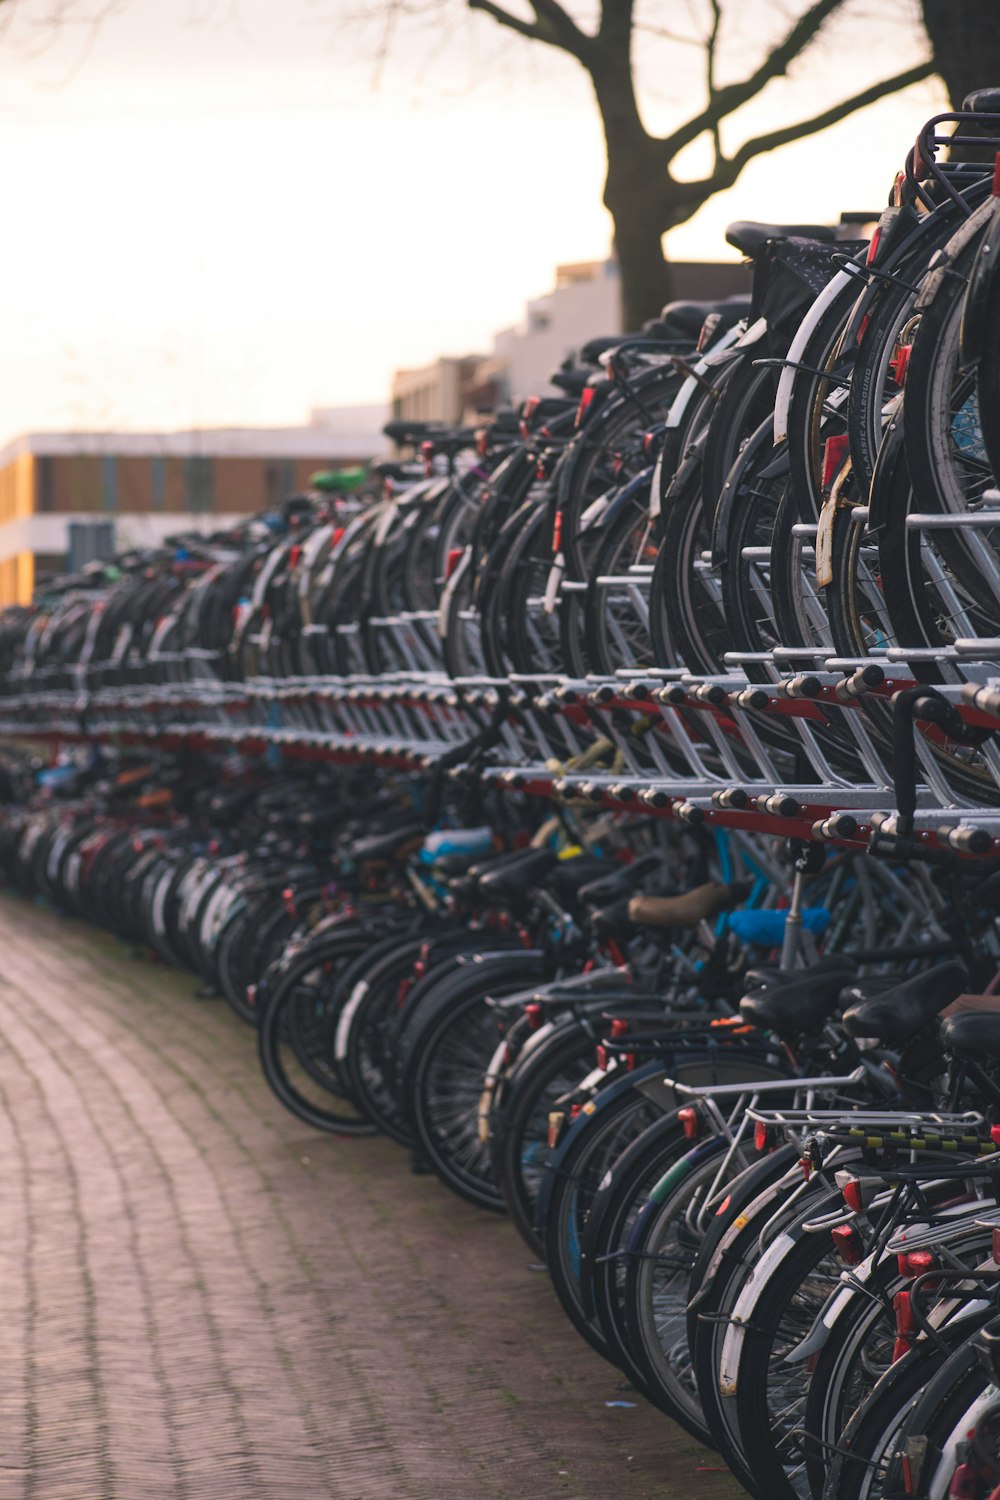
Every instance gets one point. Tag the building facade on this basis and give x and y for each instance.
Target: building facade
(584, 303)
(149, 485)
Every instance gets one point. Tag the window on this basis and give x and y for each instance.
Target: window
(109, 483)
(200, 483)
(45, 489)
(158, 483)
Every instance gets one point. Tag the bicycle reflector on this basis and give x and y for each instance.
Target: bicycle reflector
(905, 1324)
(873, 245)
(586, 401)
(533, 1012)
(834, 453)
(900, 363)
(850, 1187)
(763, 1137)
(690, 1122)
(454, 553)
(915, 1262)
(482, 442)
(849, 1245)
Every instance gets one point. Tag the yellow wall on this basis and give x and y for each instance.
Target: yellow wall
(17, 501)
(17, 579)
(17, 488)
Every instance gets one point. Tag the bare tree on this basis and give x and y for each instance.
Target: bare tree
(965, 40)
(641, 191)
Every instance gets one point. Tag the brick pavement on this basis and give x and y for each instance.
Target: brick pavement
(199, 1297)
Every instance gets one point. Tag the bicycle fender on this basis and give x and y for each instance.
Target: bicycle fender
(981, 282)
(732, 1346)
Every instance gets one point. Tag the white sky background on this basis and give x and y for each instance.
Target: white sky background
(217, 213)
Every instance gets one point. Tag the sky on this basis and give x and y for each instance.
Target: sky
(234, 211)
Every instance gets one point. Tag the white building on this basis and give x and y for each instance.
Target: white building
(585, 303)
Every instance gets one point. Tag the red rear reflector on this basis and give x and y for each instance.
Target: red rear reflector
(901, 1306)
(724, 1206)
(995, 1134)
(915, 1262)
(586, 399)
(834, 453)
(619, 1028)
(454, 553)
(251, 995)
(873, 245)
(602, 1057)
(574, 1111)
(965, 1484)
(900, 363)
(848, 1244)
(852, 1195)
(557, 532)
(761, 1136)
(534, 1015)
(294, 553)
(649, 443)
(482, 442)
(688, 1117)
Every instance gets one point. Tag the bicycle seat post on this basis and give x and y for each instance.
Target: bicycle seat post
(807, 859)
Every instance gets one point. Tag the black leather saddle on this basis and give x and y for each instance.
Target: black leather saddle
(899, 1013)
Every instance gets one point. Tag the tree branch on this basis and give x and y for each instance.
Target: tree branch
(565, 32)
(711, 46)
(504, 18)
(551, 25)
(726, 100)
(764, 143)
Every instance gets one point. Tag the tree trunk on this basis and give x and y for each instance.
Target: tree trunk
(645, 273)
(965, 39)
(634, 193)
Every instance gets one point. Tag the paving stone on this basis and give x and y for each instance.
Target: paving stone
(189, 1310)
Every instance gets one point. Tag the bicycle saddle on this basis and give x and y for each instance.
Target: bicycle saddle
(973, 1034)
(982, 102)
(413, 432)
(389, 844)
(612, 921)
(513, 878)
(620, 880)
(570, 877)
(591, 351)
(749, 236)
(769, 976)
(907, 1008)
(803, 1004)
(694, 906)
(685, 319)
(573, 381)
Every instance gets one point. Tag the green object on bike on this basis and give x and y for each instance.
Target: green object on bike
(337, 481)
